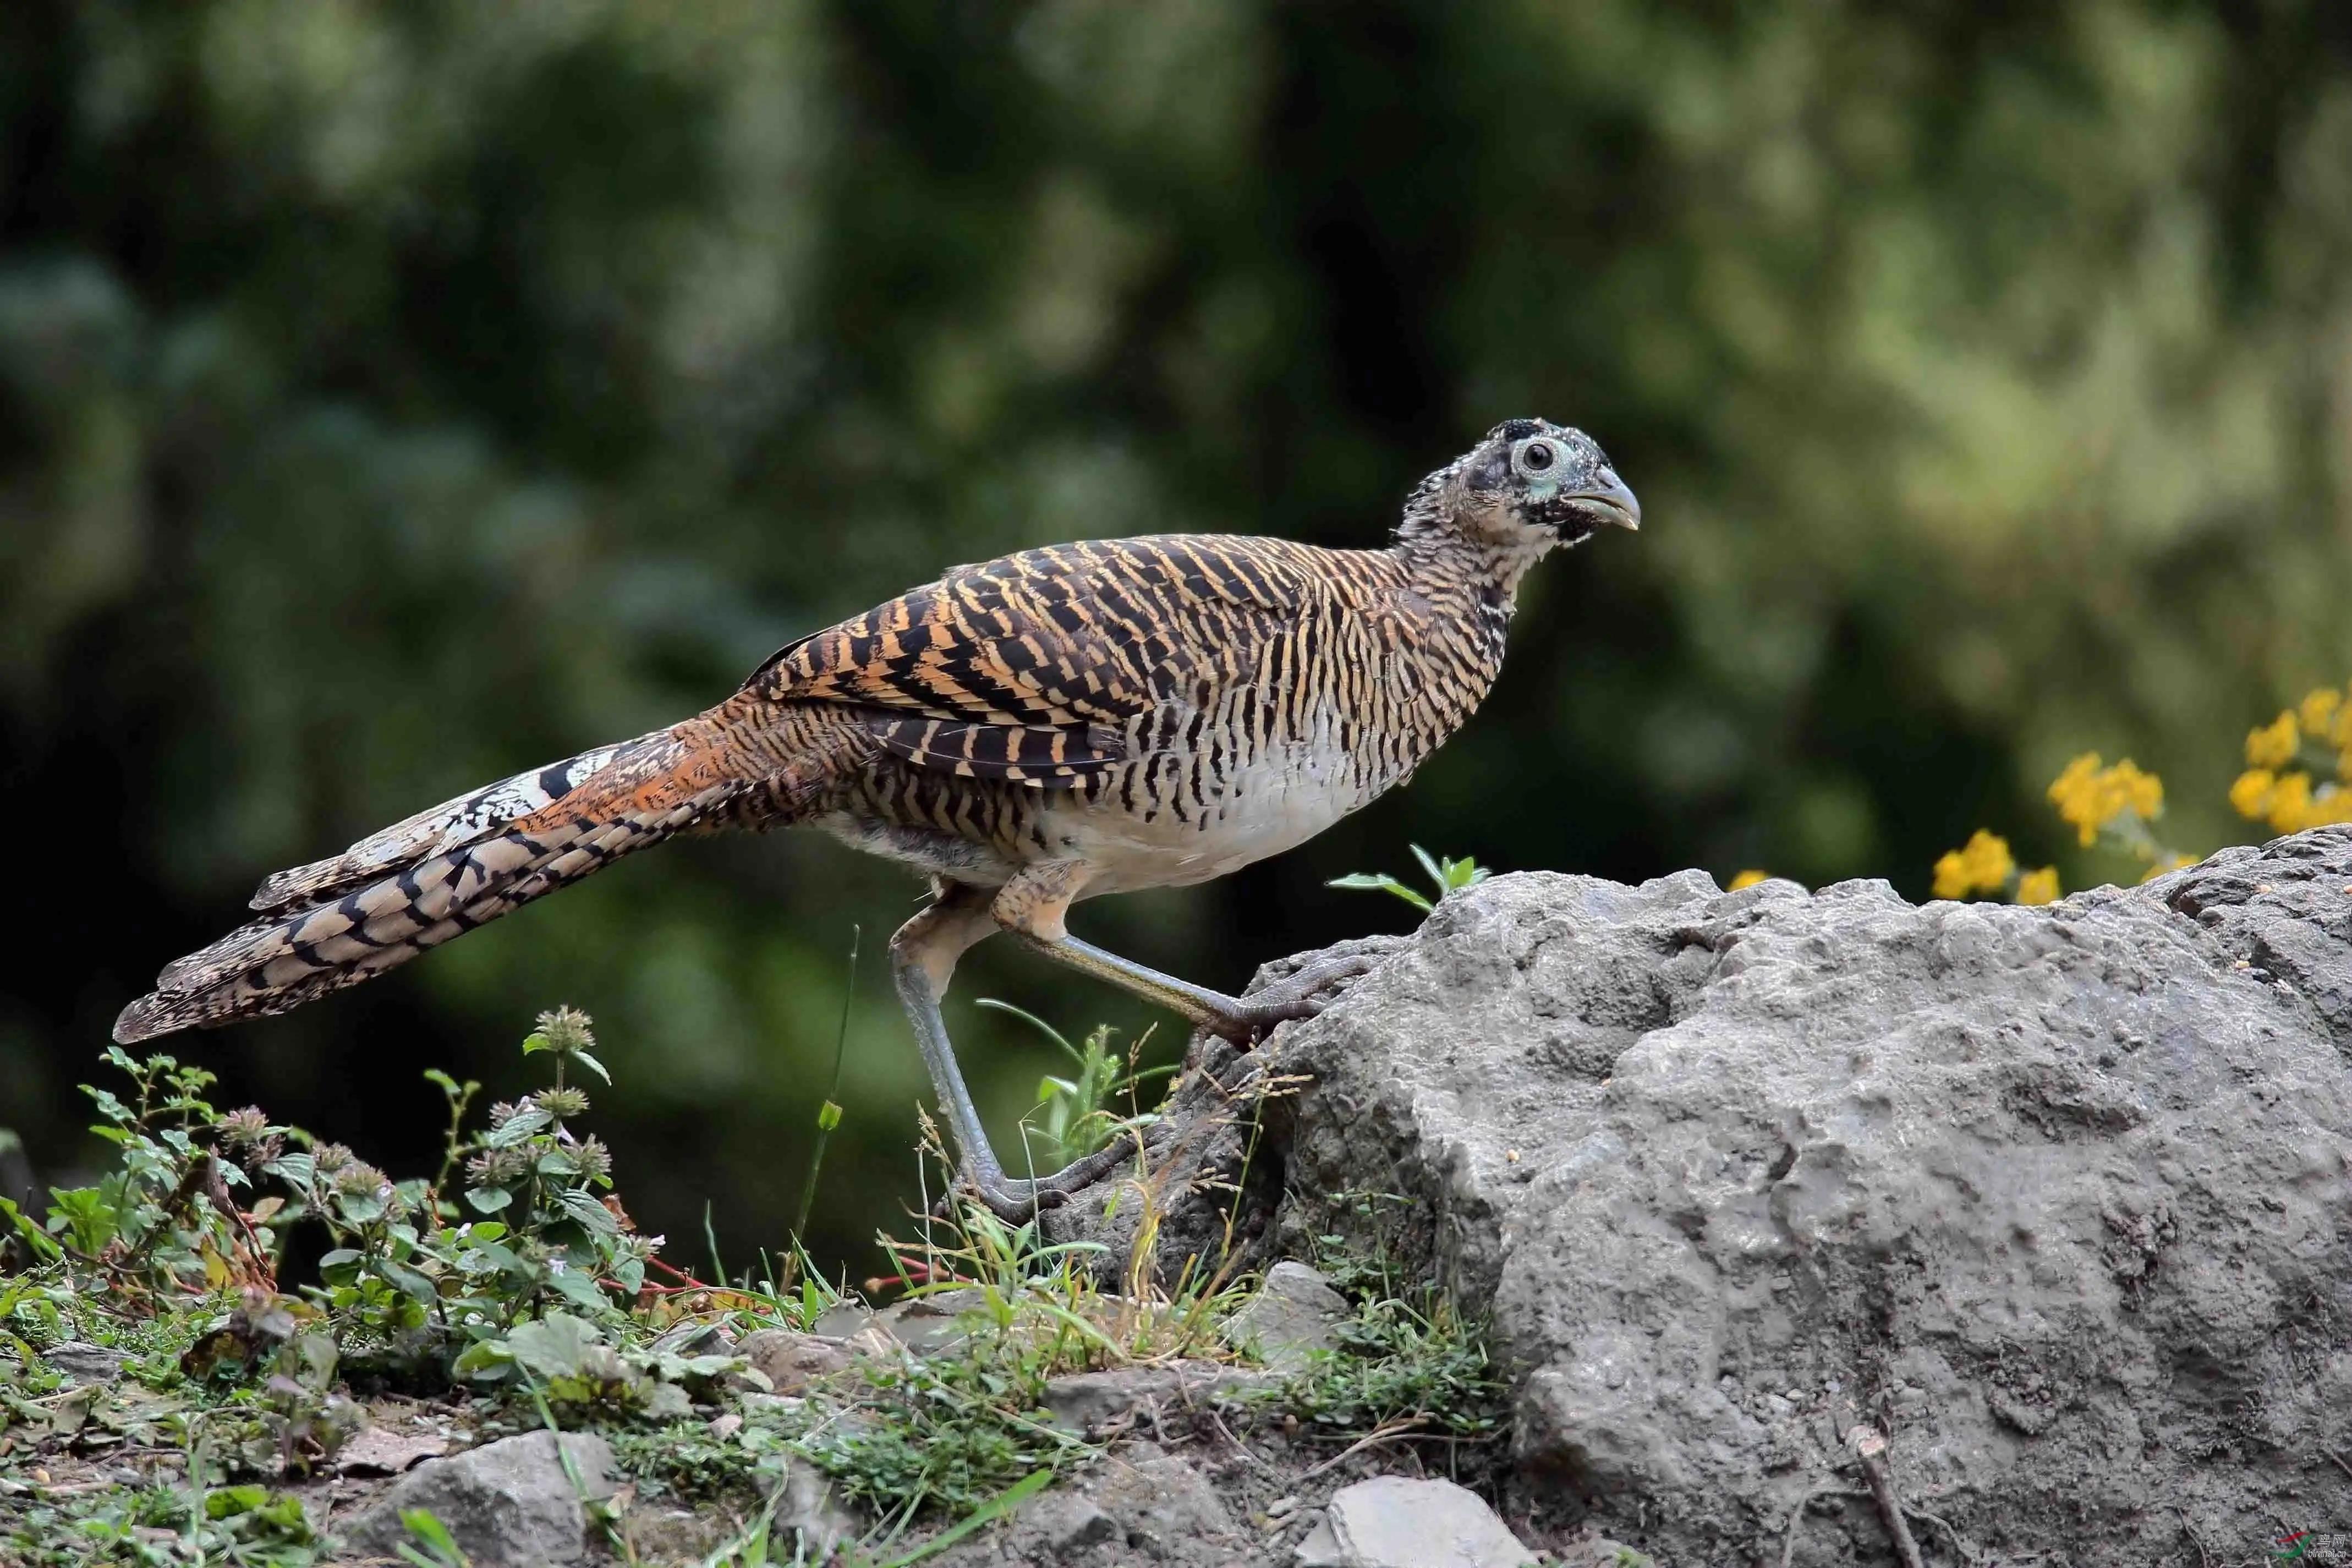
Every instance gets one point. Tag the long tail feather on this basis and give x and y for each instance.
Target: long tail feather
(437, 875)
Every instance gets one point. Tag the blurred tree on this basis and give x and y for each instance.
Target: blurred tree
(391, 397)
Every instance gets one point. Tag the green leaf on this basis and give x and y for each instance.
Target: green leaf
(1379, 882)
(1037, 1023)
(593, 1216)
(297, 1171)
(592, 1065)
(578, 1288)
(44, 1248)
(489, 1200)
(422, 1523)
(828, 1117)
(530, 1119)
(89, 1214)
(553, 1346)
(360, 1208)
(490, 1356)
(408, 1280)
(995, 1508)
(222, 1501)
(535, 1042)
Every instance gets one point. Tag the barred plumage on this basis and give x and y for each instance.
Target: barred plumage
(1066, 721)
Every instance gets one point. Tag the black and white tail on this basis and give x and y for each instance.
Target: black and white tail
(441, 873)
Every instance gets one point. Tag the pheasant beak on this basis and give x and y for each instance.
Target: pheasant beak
(1607, 500)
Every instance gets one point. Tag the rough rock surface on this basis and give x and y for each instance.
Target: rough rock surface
(1140, 1505)
(2060, 1198)
(1293, 1315)
(1105, 1403)
(791, 1362)
(85, 1364)
(1391, 1522)
(509, 1504)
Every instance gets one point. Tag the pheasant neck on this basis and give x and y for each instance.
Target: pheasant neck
(1489, 571)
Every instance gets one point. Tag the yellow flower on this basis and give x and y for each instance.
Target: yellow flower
(2251, 796)
(2331, 804)
(2038, 887)
(2291, 804)
(1983, 864)
(1747, 879)
(2143, 792)
(2273, 744)
(2091, 797)
(2076, 793)
(2316, 709)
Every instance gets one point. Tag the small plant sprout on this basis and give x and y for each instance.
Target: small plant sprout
(828, 1115)
(1445, 875)
(1074, 1116)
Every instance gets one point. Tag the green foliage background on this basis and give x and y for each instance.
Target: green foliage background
(391, 397)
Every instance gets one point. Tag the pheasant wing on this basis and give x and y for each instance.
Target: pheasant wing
(1033, 668)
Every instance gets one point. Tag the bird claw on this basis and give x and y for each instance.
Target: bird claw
(1293, 996)
(1017, 1200)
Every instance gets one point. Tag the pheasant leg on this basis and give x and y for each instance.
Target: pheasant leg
(922, 959)
(1241, 1019)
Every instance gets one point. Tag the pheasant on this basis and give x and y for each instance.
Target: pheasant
(1054, 725)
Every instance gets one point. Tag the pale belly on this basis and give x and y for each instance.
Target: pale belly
(1172, 834)
(1273, 802)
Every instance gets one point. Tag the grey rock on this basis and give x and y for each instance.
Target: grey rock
(810, 1517)
(1295, 1315)
(1391, 1522)
(1108, 1403)
(1139, 1505)
(927, 1325)
(509, 1504)
(2075, 1180)
(695, 1339)
(1600, 1551)
(85, 1362)
(1066, 1523)
(844, 1320)
(791, 1362)
(1164, 1507)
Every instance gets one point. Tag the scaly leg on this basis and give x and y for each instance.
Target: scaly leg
(1034, 905)
(922, 960)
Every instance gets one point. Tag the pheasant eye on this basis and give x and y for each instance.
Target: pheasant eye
(1535, 457)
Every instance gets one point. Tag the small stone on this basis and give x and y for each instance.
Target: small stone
(790, 1361)
(842, 1321)
(1295, 1315)
(1391, 1522)
(507, 1504)
(1067, 1522)
(1281, 1506)
(1101, 1401)
(809, 1517)
(695, 1339)
(1159, 1502)
(927, 1325)
(84, 1363)
(380, 1451)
